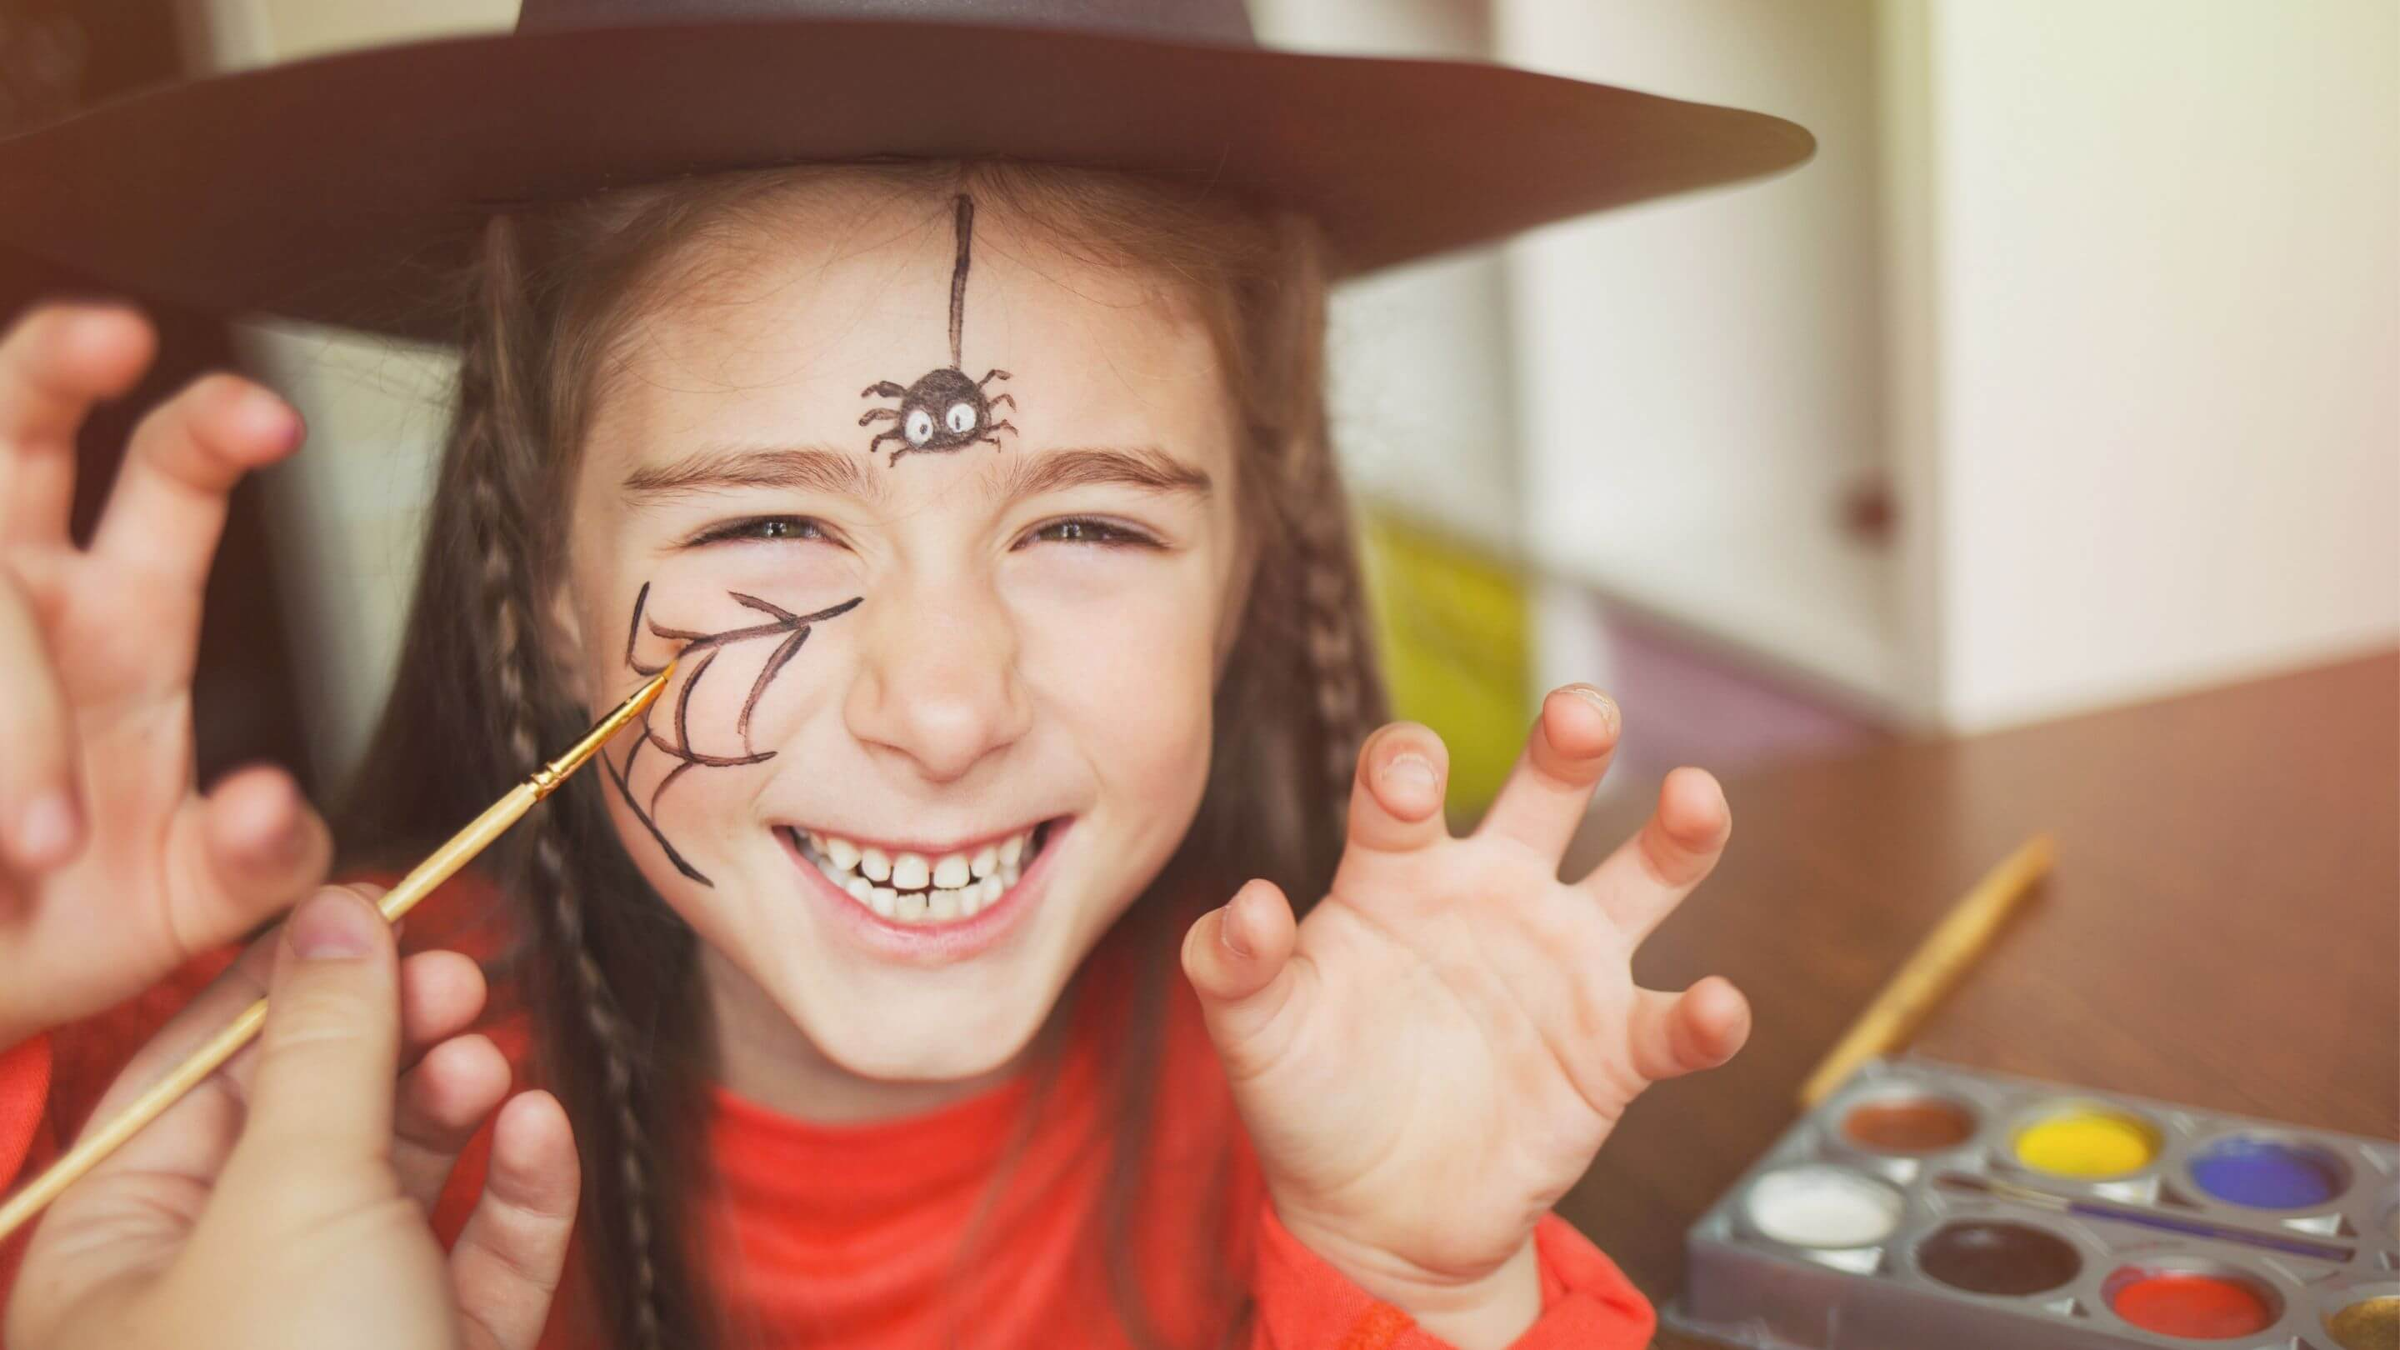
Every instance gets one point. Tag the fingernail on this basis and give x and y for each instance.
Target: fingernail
(332, 926)
(1225, 934)
(1410, 770)
(1607, 706)
(47, 827)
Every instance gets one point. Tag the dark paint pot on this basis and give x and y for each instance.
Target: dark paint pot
(1998, 1258)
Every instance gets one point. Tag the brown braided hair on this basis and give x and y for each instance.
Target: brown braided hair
(610, 972)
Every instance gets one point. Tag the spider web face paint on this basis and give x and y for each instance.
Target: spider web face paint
(944, 410)
(700, 652)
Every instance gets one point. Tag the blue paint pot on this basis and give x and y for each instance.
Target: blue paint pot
(2265, 1173)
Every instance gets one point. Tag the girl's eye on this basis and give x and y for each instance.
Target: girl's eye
(1085, 530)
(764, 527)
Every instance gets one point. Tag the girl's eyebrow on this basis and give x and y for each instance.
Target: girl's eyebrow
(818, 469)
(809, 467)
(1145, 467)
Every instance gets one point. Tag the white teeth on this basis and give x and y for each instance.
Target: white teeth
(911, 888)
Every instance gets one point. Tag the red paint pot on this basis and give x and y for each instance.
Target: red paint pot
(2194, 1305)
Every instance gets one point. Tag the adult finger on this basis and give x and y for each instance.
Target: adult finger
(55, 363)
(1647, 876)
(168, 505)
(41, 812)
(321, 1094)
(443, 1101)
(442, 993)
(506, 1265)
(1545, 796)
(1700, 1028)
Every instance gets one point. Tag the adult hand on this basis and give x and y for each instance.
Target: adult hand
(284, 1202)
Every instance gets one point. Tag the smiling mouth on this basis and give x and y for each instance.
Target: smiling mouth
(919, 888)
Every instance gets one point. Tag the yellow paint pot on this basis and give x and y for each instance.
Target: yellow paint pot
(2087, 1143)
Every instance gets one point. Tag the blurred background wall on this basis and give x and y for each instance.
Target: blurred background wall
(2068, 374)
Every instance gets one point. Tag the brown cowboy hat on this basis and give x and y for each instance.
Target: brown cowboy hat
(338, 189)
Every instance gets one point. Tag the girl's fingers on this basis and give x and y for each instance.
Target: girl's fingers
(1546, 795)
(1676, 1034)
(168, 505)
(443, 1101)
(55, 363)
(1396, 799)
(1239, 960)
(1641, 883)
(506, 1265)
(266, 847)
(41, 813)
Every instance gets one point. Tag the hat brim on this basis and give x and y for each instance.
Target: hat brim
(341, 189)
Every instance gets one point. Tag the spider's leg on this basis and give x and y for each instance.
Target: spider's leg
(894, 434)
(991, 375)
(883, 389)
(997, 427)
(905, 447)
(878, 414)
(1009, 399)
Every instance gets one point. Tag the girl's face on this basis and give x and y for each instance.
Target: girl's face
(905, 822)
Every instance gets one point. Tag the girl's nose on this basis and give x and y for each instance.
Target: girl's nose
(938, 684)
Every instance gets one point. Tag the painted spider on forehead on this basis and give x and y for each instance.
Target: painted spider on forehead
(944, 410)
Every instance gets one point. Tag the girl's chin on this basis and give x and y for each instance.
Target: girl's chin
(947, 1045)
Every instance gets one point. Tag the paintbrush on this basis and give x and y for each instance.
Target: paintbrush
(1945, 955)
(419, 883)
(2146, 1218)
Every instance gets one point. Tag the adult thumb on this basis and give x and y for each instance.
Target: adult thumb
(321, 1096)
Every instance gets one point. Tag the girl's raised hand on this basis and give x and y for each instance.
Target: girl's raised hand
(113, 868)
(1434, 1057)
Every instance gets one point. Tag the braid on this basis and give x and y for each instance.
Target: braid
(501, 457)
(1340, 662)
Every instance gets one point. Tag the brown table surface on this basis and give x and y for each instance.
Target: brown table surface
(2222, 927)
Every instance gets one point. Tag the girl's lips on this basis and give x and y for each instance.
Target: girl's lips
(932, 942)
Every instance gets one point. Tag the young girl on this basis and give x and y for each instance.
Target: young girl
(925, 971)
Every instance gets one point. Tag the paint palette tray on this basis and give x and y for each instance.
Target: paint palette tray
(1929, 1206)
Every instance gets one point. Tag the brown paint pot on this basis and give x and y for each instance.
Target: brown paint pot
(1985, 1257)
(1908, 1125)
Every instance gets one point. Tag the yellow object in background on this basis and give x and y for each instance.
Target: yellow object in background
(1453, 636)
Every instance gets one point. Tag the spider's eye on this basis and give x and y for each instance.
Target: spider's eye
(961, 418)
(918, 427)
